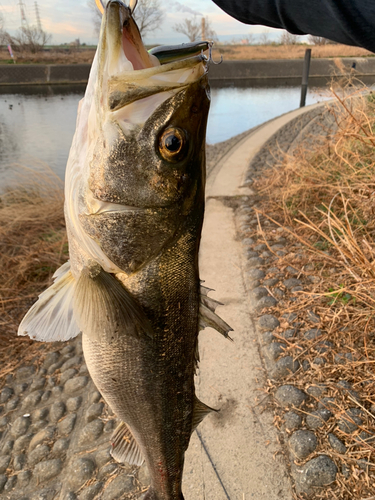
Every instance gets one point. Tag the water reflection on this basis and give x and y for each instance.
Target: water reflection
(37, 123)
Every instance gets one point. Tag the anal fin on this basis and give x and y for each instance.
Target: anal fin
(201, 410)
(207, 315)
(124, 447)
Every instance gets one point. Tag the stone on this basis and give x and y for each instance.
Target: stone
(38, 384)
(266, 254)
(292, 420)
(314, 318)
(260, 247)
(75, 384)
(318, 418)
(289, 333)
(255, 262)
(57, 411)
(91, 431)
(313, 334)
(32, 400)
(258, 292)
(57, 391)
(275, 350)
(288, 395)
(68, 374)
(102, 457)
(343, 357)
(323, 347)
(316, 391)
(350, 421)
(118, 487)
(83, 369)
(5, 394)
(20, 426)
(107, 471)
(366, 437)
(253, 284)
(255, 274)
(4, 421)
(66, 426)
(48, 469)
(22, 442)
(284, 367)
(11, 483)
(336, 443)
(291, 283)
(20, 388)
(94, 411)
(12, 403)
(7, 447)
(79, 349)
(270, 281)
(19, 462)
(318, 361)
(3, 480)
(50, 359)
(279, 294)
(75, 361)
(42, 436)
(109, 426)
(40, 453)
(290, 317)
(45, 494)
(265, 302)
(67, 349)
(60, 446)
(347, 389)
(318, 472)
(80, 470)
(55, 366)
(46, 395)
(24, 478)
(303, 443)
(40, 414)
(364, 465)
(292, 270)
(69, 495)
(248, 241)
(91, 491)
(268, 322)
(4, 463)
(268, 337)
(73, 404)
(329, 403)
(25, 372)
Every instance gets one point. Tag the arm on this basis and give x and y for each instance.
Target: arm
(351, 22)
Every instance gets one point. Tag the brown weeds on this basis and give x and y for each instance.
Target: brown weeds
(33, 245)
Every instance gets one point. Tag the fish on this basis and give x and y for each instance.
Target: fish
(134, 208)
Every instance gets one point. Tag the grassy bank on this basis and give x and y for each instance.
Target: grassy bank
(323, 195)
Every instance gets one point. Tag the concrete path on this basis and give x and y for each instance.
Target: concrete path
(235, 453)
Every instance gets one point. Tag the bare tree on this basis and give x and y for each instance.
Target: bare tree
(148, 15)
(192, 28)
(28, 39)
(264, 38)
(287, 38)
(318, 40)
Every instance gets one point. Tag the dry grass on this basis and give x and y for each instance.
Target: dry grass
(246, 52)
(33, 245)
(73, 56)
(323, 195)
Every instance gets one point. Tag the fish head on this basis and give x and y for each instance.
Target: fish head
(143, 171)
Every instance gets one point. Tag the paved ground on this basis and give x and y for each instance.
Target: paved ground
(55, 428)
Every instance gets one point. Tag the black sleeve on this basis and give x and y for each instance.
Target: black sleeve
(351, 22)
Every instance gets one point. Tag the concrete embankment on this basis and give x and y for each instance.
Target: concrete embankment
(281, 71)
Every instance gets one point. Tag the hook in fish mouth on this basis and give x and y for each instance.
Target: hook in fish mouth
(101, 5)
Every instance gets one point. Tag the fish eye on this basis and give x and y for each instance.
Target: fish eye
(172, 144)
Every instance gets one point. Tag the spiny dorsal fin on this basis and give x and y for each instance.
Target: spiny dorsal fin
(51, 318)
(209, 318)
(105, 308)
(125, 447)
(200, 411)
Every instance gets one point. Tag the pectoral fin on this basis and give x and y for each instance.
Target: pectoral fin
(51, 318)
(125, 447)
(104, 308)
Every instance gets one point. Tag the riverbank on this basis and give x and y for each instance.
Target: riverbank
(229, 72)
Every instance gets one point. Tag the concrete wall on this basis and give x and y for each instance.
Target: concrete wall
(287, 70)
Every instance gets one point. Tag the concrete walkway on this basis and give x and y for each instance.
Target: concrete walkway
(235, 454)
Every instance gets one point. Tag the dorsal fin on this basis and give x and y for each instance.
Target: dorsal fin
(201, 410)
(124, 447)
(51, 318)
(104, 308)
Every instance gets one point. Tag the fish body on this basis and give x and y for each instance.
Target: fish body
(134, 212)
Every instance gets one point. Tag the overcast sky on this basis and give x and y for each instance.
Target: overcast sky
(67, 20)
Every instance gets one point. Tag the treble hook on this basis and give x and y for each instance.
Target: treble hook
(101, 6)
(209, 59)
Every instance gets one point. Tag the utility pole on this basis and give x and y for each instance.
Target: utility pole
(37, 15)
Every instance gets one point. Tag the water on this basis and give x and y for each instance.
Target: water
(37, 123)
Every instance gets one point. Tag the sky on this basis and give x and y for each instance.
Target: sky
(68, 20)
